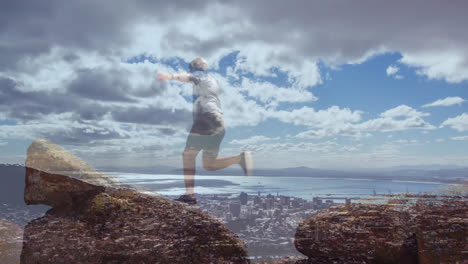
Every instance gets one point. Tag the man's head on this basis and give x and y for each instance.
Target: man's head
(198, 64)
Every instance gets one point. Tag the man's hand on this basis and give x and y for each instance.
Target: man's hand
(163, 76)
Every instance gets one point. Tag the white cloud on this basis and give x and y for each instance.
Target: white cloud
(391, 70)
(351, 148)
(405, 143)
(387, 121)
(322, 118)
(404, 111)
(459, 123)
(251, 140)
(390, 124)
(237, 109)
(439, 64)
(267, 92)
(446, 102)
(460, 138)
(440, 140)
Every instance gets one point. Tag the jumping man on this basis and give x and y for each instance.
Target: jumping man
(208, 127)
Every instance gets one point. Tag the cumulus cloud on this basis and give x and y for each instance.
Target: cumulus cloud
(239, 110)
(399, 118)
(390, 124)
(450, 65)
(459, 123)
(391, 70)
(403, 111)
(446, 102)
(269, 93)
(322, 118)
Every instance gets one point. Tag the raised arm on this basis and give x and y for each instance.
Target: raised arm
(181, 77)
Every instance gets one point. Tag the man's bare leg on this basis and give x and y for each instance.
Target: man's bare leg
(212, 163)
(189, 157)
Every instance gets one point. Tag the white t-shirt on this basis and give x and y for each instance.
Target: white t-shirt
(205, 94)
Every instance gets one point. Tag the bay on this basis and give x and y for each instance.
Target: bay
(302, 187)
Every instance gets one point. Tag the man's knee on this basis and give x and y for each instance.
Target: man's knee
(189, 154)
(208, 164)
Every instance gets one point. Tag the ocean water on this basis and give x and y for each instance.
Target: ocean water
(303, 187)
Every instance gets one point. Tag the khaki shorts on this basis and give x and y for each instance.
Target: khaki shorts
(206, 134)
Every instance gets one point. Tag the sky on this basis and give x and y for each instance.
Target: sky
(323, 84)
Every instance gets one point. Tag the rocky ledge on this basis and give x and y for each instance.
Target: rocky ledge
(426, 231)
(93, 221)
(123, 226)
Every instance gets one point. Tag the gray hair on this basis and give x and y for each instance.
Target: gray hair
(198, 64)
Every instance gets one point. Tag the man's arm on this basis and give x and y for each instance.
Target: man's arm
(181, 77)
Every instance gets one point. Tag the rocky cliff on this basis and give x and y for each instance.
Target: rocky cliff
(425, 231)
(94, 220)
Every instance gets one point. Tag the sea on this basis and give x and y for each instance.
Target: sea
(302, 187)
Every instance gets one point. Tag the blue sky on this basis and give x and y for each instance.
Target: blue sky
(301, 86)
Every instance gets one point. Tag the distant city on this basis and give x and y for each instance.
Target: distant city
(265, 222)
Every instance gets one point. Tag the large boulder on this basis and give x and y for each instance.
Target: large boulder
(442, 233)
(124, 226)
(421, 232)
(58, 178)
(95, 220)
(354, 234)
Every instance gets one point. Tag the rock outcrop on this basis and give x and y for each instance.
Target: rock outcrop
(124, 226)
(46, 156)
(57, 178)
(442, 232)
(428, 231)
(92, 221)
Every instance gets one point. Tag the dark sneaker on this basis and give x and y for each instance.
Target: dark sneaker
(246, 162)
(187, 199)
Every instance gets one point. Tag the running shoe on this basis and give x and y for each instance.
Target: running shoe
(246, 162)
(186, 199)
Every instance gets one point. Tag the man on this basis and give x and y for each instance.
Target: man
(208, 127)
